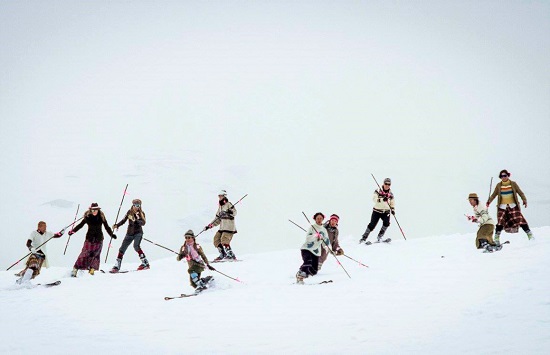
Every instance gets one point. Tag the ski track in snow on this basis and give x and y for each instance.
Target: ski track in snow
(424, 296)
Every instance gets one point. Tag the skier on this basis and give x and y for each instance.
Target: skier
(136, 220)
(38, 258)
(316, 236)
(484, 239)
(91, 250)
(193, 253)
(509, 216)
(332, 228)
(384, 204)
(225, 218)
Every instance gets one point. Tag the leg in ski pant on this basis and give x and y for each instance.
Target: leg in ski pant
(195, 275)
(221, 242)
(375, 217)
(310, 264)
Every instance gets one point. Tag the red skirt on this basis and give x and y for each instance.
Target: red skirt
(89, 256)
(511, 219)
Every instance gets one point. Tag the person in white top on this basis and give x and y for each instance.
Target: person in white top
(39, 257)
(316, 236)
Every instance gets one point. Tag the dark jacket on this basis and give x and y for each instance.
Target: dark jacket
(95, 233)
(332, 236)
(134, 222)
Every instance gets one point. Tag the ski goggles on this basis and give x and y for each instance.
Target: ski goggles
(136, 205)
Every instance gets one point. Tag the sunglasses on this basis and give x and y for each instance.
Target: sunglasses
(387, 184)
(136, 205)
(503, 176)
(188, 237)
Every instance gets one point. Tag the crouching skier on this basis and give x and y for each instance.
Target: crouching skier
(193, 253)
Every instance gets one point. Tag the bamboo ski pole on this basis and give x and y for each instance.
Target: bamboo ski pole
(390, 209)
(158, 245)
(232, 278)
(360, 263)
(72, 226)
(218, 217)
(330, 250)
(38, 247)
(116, 220)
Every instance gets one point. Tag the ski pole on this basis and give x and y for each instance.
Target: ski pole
(38, 247)
(72, 226)
(218, 217)
(360, 263)
(116, 220)
(232, 278)
(330, 250)
(490, 188)
(390, 209)
(158, 245)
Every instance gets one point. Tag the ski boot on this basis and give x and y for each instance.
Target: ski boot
(91, 271)
(144, 263)
(26, 277)
(530, 235)
(74, 272)
(229, 255)
(300, 276)
(116, 267)
(222, 253)
(200, 285)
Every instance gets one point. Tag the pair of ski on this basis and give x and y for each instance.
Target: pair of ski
(368, 242)
(206, 280)
(317, 283)
(499, 248)
(225, 260)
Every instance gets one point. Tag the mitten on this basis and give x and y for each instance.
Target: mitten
(71, 232)
(210, 267)
(58, 235)
(113, 236)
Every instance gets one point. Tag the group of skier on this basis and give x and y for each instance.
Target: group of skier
(321, 237)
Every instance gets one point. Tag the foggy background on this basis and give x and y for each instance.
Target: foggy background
(295, 103)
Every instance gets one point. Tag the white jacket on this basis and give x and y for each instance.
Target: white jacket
(37, 239)
(313, 242)
(482, 216)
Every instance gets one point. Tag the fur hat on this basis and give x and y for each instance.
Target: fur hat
(335, 217)
(473, 195)
(95, 206)
(317, 214)
(504, 171)
(387, 181)
(136, 201)
(189, 233)
(222, 193)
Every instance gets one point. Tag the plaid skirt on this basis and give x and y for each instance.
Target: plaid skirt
(89, 256)
(510, 219)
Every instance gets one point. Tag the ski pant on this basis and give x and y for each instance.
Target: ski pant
(128, 239)
(34, 262)
(311, 263)
(485, 233)
(375, 217)
(89, 256)
(196, 268)
(222, 238)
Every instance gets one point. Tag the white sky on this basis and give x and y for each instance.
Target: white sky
(295, 103)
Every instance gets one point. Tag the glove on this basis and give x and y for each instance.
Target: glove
(58, 235)
(71, 233)
(208, 227)
(393, 212)
(525, 204)
(210, 267)
(114, 227)
(131, 217)
(340, 252)
(487, 204)
(113, 236)
(179, 257)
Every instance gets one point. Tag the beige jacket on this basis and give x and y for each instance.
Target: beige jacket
(225, 218)
(380, 205)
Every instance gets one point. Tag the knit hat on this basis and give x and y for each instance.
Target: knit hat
(317, 214)
(95, 206)
(473, 195)
(189, 233)
(387, 180)
(335, 217)
(504, 171)
(222, 193)
(136, 201)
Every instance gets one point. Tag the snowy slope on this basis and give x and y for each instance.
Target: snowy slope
(430, 295)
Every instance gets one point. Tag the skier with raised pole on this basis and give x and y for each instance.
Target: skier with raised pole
(196, 260)
(38, 257)
(484, 238)
(332, 228)
(225, 218)
(136, 220)
(311, 249)
(384, 204)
